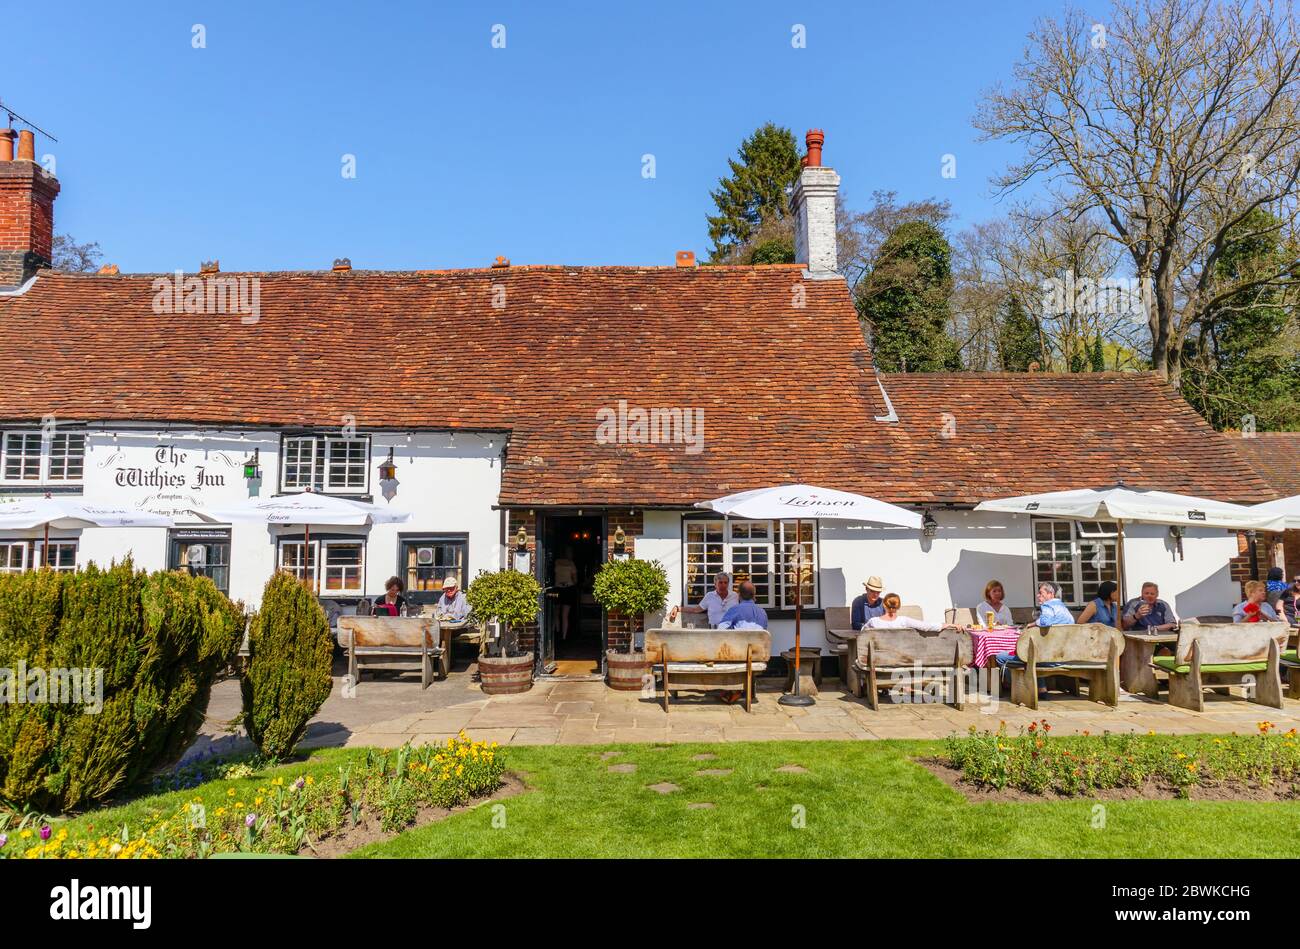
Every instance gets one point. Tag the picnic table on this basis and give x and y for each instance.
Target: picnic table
(1135, 672)
(987, 643)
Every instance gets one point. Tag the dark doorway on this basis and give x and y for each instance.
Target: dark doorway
(575, 623)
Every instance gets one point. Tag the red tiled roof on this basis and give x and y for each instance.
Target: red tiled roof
(788, 392)
(1276, 456)
(1022, 433)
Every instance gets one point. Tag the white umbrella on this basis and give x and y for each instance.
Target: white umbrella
(1289, 508)
(71, 513)
(1121, 503)
(806, 502)
(306, 509)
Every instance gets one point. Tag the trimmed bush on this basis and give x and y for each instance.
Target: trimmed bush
(158, 640)
(633, 588)
(508, 596)
(290, 653)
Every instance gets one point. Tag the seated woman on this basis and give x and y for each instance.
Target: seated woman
(891, 620)
(392, 603)
(1104, 607)
(994, 602)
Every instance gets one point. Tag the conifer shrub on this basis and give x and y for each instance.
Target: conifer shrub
(104, 677)
(290, 653)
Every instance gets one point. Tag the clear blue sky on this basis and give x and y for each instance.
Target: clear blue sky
(169, 155)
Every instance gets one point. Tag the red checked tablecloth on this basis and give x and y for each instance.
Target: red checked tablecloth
(987, 643)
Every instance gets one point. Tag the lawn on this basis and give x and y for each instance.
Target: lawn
(855, 799)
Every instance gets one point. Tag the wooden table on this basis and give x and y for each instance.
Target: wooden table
(810, 669)
(1135, 672)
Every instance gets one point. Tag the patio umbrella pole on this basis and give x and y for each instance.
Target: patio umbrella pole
(1119, 547)
(795, 696)
(45, 548)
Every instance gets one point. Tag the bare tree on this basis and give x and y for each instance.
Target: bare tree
(1174, 120)
(71, 257)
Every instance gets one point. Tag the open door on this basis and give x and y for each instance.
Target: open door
(571, 635)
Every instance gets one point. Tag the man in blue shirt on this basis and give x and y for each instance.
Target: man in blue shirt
(869, 604)
(1148, 613)
(746, 614)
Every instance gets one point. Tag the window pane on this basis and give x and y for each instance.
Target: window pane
(789, 547)
(428, 563)
(705, 557)
(346, 463)
(343, 567)
(67, 456)
(22, 456)
(299, 462)
(63, 555)
(13, 556)
(291, 559)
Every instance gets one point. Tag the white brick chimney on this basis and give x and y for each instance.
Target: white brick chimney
(814, 212)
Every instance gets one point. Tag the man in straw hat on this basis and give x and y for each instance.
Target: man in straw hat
(869, 604)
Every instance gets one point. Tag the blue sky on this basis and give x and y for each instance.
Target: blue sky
(169, 155)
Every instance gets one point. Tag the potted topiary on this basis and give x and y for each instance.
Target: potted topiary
(512, 599)
(630, 587)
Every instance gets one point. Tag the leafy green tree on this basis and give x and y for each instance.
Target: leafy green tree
(1019, 338)
(508, 596)
(904, 301)
(632, 588)
(290, 652)
(1245, 358)
(767, 163)
(1098, 358)
(775, 251)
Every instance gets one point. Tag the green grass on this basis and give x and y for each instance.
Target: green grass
(859, 799)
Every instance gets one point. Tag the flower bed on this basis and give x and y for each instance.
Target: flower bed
(1038, 763)
(289, 814)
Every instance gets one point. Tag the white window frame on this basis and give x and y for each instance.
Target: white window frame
(300, 570)
(1082, 533)
(43, 456)
(317, 567)
(320, 461)
(777, 544)
(31, 554)
(23, 547)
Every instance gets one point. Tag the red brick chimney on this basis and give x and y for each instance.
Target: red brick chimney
(27, 194)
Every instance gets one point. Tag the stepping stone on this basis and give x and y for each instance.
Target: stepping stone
(663, 787)
(700, 806)
(792, 769)
(622, 768)
(704, 757)
(610, 754)
(715, 772)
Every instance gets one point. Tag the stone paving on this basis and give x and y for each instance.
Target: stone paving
(389, 711)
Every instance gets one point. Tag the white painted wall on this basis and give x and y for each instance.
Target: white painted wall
(447, 489)
(969, 550)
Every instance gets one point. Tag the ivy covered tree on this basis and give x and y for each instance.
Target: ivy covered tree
(755, 192)
(1019, 338)
(905, 301)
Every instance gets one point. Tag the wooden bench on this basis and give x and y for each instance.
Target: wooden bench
(842, 643)
(1087, 651)
(1290, 661)
(915, 657)
(1220, 654)
(703, 659)
(385, 638)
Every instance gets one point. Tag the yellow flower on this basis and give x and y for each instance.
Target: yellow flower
(230, 792)
(310, 779)
(277, 782)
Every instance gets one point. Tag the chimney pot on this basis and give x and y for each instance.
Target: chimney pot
(26, 145)
(815, 139)
(686, 258)
(342, 263)
(501, 263)
(210, 266)
(108, 270)
(7, 137)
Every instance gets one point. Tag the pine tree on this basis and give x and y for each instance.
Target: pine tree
(1019, 339)
(904, 301)
(766, 165)
(1098, 355)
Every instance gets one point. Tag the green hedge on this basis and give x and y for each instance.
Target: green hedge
(290, 652)
(160, 640)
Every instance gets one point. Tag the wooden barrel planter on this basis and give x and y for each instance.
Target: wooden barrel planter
(506, 675)
(626, 671)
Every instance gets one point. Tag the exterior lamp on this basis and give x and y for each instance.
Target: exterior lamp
(388, 468)
(620, 540)
(929, 526)
(521, 538)
(251, 470)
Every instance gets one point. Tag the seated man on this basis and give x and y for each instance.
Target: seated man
(869, 604)
(716, 602)
(1052, 611)
(746, 614)
(452, 605)
(1254, 608)
(1148, 613)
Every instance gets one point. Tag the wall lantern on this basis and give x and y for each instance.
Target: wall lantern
(388, 468)
(251, 471)
(620, 539)
(929, 526)
(521, 538)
